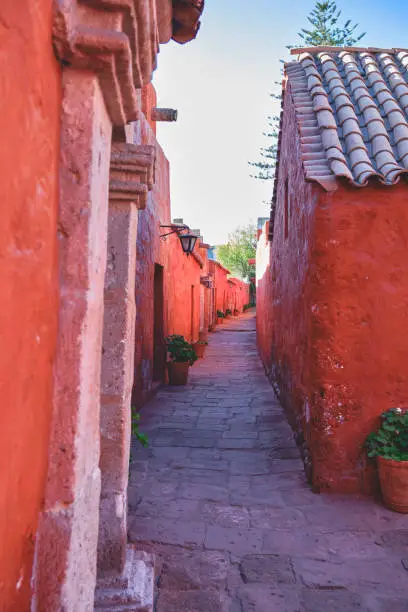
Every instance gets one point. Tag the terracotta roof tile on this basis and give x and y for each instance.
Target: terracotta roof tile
(352, 112)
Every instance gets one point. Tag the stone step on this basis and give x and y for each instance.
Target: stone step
(133, 590)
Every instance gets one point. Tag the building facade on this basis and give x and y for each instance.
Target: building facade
(76, 174)
(332, 277)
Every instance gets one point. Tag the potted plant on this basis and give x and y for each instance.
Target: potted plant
(389, 444)
(236, 312)
(182, 356)
(228, 312)
(199, 348)
(220, 316)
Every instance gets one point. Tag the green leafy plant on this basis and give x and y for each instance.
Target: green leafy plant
(228, 312)
(220, 314)
(143, 439)
(391, 439)
(180, 350)
(324, 27)
(247, 307)
(201, 342)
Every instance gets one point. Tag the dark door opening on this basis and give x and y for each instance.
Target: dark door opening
(159, 349)
(192, 313)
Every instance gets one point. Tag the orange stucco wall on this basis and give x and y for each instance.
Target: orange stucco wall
(29, 127)
(264, 297)
(332, 310)
(181, 273)
(188, 305)
(231, 293)
(360, 314)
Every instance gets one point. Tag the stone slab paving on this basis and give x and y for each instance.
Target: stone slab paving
(221, 498)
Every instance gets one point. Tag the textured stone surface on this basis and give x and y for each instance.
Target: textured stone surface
(238, 529)
(132, 589)
(333, 601)
(191, 601)
(68, 531)
(195, 571)
(117, 366)
(267, 569)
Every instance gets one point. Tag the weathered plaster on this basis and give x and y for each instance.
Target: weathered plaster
(69, 528)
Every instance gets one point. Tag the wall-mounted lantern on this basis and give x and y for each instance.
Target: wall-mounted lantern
(188, 242)
(187, 239)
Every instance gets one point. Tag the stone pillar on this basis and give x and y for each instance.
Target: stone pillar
(131, 178)
(68, 532)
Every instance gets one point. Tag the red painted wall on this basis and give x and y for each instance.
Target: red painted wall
(29, 127)
(187, 302)
(222, 288)
(332, 304)
(360, 293)
(283, 300)
(264, 297)
(239, 294)
(230, 292)
(181, 274)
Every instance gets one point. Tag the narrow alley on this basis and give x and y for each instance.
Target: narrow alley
(220, 497)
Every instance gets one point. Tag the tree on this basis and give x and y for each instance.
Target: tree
(240, 247)
(326, 30)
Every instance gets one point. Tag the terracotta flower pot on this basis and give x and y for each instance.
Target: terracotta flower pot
(178, 372)
(394, 483)
(199, 349)
(203, 336)
(220, 320)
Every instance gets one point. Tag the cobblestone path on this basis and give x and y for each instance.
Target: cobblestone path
(221, 498)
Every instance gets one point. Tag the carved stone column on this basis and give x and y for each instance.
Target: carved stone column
(68, 532)
(131, 178)
(108, 51)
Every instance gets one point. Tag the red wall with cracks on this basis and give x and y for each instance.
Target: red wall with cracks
(332, 310)
(29, 126)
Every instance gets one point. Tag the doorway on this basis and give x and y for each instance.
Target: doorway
(192, 313)
(159, 349)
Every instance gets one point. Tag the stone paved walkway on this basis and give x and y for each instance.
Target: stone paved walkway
(221, 498)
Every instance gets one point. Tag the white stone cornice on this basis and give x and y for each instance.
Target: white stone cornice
(119, 40)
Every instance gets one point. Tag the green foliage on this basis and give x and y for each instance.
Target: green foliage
(228, 312)
(201, 342)
(220, 314)
(326, 30)
(143, 439)
(240, 247)
(247, 307)
(391, 439)
(180, 350)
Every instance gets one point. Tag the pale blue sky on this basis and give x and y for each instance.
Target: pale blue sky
(220, 85)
